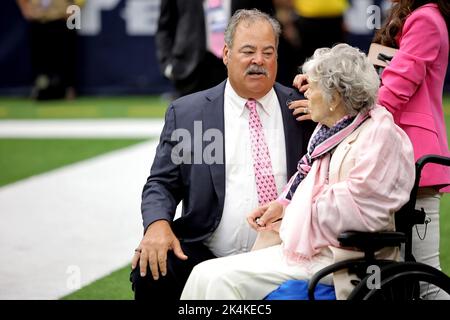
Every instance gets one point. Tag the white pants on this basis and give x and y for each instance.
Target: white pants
(427, 250)
(249, 276)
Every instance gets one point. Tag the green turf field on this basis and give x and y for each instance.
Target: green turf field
(84, 107)
(20, 158)
(115, 286)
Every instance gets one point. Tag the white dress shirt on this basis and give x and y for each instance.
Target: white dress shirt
(234, 235)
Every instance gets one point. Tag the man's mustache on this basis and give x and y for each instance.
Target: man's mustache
(255, 69)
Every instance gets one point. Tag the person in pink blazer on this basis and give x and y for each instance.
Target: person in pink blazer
(411, 89)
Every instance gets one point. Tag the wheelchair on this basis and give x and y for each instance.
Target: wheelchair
(398, 280)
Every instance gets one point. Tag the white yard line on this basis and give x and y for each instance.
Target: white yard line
(84, 217)
(88, 128)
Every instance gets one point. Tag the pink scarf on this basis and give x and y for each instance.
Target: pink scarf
(302, 239)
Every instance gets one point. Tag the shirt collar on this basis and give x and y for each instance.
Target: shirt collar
(238, 103)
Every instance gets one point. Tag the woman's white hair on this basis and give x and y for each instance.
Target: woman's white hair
(347, 71)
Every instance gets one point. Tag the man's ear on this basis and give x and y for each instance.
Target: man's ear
(225, 54)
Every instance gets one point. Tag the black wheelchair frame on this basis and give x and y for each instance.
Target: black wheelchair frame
(399, 280)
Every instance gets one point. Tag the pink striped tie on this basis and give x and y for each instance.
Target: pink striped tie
(265, 181)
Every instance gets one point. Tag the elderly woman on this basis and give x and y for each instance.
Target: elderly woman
(358, 171)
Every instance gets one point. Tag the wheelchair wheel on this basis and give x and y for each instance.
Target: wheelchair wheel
(404, 282)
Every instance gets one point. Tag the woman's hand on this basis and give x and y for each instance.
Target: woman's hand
(266, 217)
(301, 82)
(300, 107)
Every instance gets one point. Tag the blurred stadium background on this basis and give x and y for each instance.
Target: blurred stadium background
(117, 78)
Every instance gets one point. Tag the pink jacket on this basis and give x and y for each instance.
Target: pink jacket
(412, 87)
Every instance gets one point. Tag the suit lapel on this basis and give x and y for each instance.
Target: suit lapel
(213, 118)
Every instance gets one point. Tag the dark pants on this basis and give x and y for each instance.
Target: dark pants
(53, 54)
(169, 287)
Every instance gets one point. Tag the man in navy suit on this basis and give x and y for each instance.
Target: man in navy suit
(204, 158)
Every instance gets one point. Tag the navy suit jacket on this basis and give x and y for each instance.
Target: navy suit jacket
(202, 186)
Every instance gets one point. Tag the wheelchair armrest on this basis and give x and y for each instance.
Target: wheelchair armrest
(371, 241)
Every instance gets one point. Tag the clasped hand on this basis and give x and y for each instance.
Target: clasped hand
(266, 217)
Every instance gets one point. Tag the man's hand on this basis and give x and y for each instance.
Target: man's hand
(266, 217)
(158, 239)
(300, 107)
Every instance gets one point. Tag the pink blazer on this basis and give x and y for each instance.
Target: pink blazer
(412, 87)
